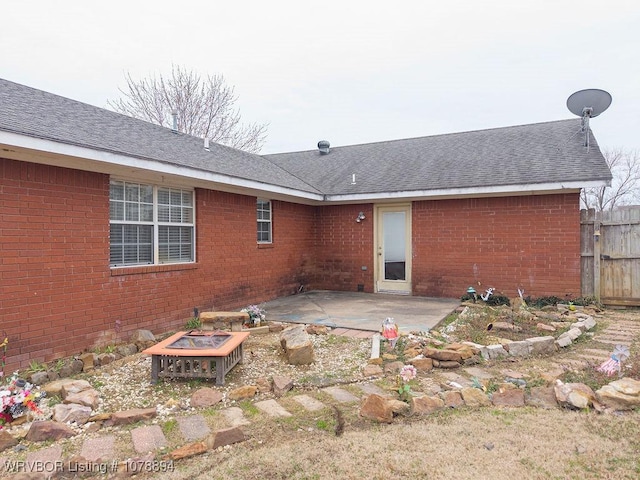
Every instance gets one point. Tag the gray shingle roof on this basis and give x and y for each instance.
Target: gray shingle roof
(521, 155)
(551, 152)
(39, 114)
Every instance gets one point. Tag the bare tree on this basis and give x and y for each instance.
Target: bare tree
(204, 107)
(625, 186)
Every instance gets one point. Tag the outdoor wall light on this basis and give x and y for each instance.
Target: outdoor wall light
(360, 217)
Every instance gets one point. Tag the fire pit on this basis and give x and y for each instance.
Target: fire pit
(196, 354)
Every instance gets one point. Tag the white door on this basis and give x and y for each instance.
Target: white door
(393, 249)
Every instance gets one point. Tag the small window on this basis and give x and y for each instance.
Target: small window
(150, 225)
(264, 221)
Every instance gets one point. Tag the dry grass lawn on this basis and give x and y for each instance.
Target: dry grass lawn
(454, 444)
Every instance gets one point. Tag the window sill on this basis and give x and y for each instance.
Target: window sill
(118, 271)
(264, 246)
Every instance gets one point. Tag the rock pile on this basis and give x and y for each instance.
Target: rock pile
(88, 361)
(577, 323)
(623, 394)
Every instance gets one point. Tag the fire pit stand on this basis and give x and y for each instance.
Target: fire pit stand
(209, 355)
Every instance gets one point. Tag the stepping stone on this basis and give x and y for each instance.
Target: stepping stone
(272, 408)
(626, 339)
(597, 355)
(339, 331)
(340, 395)
(235, 416)
(625, 342)
(148, 439)
(45, 459)
(597, 352)
(100, 448)
(454, 377)
(370, 388)
(309, 403)
(591, 358)
(193, 427)
(479, 373)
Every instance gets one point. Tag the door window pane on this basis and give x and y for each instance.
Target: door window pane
(394, 246)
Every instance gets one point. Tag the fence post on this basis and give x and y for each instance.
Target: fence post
(596, 254)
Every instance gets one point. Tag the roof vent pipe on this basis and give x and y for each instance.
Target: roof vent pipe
(174, 114)
(206, 144)
(323, 146)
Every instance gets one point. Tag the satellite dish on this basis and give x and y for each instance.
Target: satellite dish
(593, 100)
(588, 104)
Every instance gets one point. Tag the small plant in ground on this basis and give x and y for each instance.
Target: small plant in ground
(322, 425)
(35, 366)
(534, 382)
(59, 364)
(169, 426)
(249, 408)
(210, 412)
(195, 383)
(97, 383)
(400, 347)
(491, 386)
(193, 324)
(53, 401)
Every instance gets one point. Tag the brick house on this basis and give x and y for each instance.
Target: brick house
(110, 224)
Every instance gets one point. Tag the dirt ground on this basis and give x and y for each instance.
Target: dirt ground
(496, 443)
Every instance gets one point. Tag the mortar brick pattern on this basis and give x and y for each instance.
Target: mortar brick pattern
(59, 296)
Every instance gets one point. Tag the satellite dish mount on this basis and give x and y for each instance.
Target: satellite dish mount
(588, 104)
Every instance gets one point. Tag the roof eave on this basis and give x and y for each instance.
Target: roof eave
(50, 152)
(468, 192)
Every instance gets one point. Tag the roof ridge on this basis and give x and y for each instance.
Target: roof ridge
(522, 125)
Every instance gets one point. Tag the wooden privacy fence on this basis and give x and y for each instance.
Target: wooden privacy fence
(610, 255)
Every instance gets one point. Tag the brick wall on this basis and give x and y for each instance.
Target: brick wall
(53, 243)
(58, 295)
(343, 246)
(531, 242)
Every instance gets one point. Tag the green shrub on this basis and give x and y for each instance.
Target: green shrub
(193, 324)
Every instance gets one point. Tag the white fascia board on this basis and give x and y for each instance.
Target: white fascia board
(506, 190)
(84, 158)
(112, 161)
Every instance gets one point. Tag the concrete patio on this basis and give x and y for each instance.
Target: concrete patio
(360, 311)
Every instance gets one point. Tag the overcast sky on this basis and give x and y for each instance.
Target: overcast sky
(347, 71)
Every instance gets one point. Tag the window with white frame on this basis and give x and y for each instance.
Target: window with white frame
(264, 221)
(150, 225)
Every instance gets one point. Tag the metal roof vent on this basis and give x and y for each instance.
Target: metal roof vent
(323, 146)
(174, 114)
